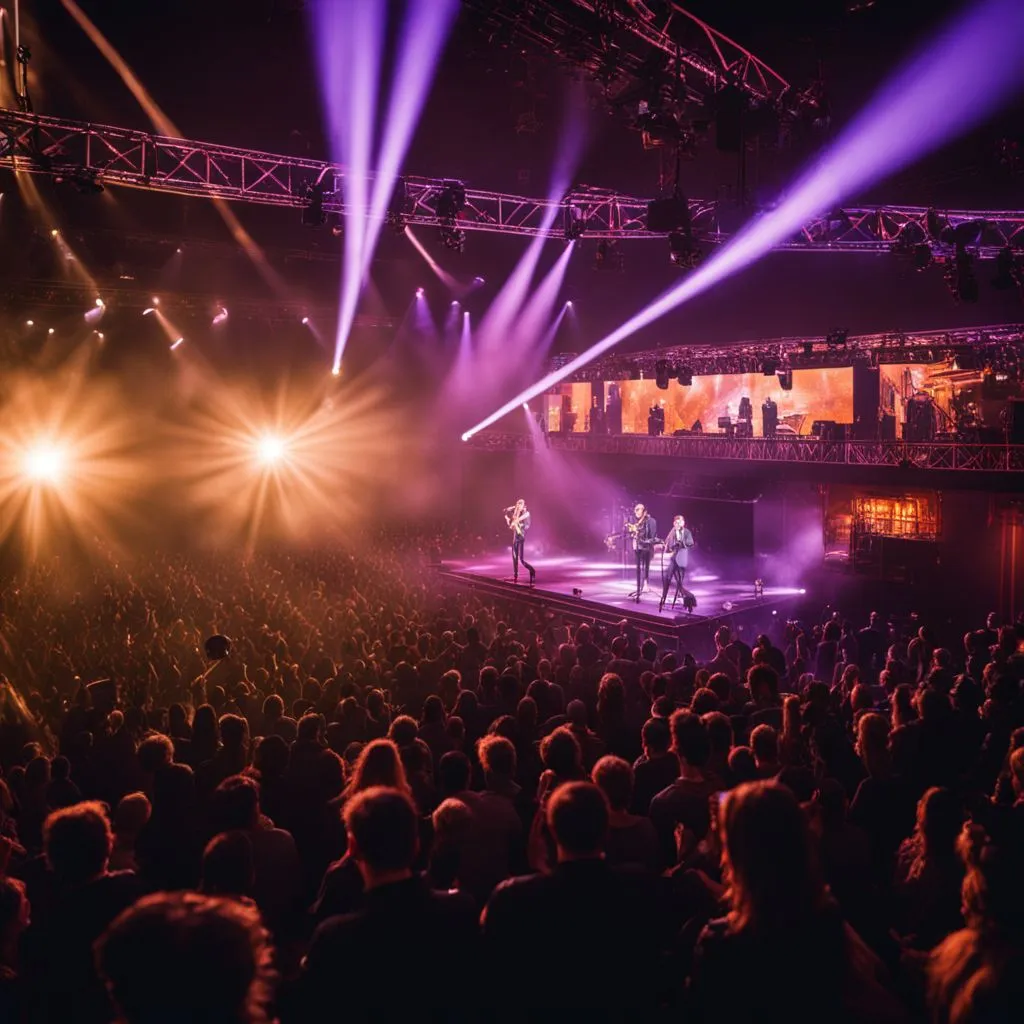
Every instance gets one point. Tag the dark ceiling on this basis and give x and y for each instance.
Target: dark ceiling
(241, 72)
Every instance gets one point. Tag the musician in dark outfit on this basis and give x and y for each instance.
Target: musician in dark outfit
(645, 532)
(518, 519)
(677, 547)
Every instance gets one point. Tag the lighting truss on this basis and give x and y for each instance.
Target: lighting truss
(69, 295)
(998, 344)
(615, 43)
(897, 455)
(59, 147)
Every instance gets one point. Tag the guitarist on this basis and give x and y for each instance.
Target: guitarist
(518, 518)
(677, 544)
(644, 531)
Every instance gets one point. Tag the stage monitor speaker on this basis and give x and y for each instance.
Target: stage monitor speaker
(824, 429)
(724, 423)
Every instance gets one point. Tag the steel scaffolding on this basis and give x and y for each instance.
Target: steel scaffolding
(949, 456)
(88, 155)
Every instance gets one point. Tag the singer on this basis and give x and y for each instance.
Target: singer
(517, 517)
(677, 546)
(644, 531)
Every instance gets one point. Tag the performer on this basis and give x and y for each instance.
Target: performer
(518, 518)
(677, 545)
(644, 531)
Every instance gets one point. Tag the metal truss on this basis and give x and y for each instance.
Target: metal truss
(999, 345)
(629, 39)
(949, 456)
(86, 155)
(35, 294)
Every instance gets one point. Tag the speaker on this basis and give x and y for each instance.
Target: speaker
(730, 107)
(786, 380)
(671, 214)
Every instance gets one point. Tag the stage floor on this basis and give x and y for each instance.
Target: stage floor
(604, 581)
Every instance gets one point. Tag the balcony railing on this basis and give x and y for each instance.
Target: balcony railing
(935, 455)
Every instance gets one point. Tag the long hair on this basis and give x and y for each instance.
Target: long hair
(774, 879)
(379, 764)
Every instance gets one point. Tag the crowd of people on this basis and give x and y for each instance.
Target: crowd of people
(324, 785)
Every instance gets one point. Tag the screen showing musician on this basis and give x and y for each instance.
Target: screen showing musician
(644, 531)
(677, 547)
(517, 517)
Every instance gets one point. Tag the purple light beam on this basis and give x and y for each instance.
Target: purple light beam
(349, 40)
(964, 75)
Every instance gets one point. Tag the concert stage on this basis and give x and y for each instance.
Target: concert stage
(603, 586)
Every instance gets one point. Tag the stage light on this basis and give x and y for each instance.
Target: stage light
(271, 449)
(54, 233)
(683, 252)
(922, 256)
(221, 316)
(148, 310)
(177, 343)
(419, 293)
(305, 320)
(573, 223)
(30, 323)
(313, 215)
(100, 303)
(100, 335)
(155, 300)
(960, 279)
(335, 371)
(1009, 270)
(478, 280)
(958, 80)
(802, 591)
(455, 302)
(609, 256)
(526, 406)
(50, 331)
(45, 462)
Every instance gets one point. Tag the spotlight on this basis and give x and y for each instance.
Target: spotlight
(662, 373)
(305, 320)
(478, 280)
(451, 201)
(45, 462)
(802, 591)
(396, 215)
(271, 449)
(50, 331)
(526, 406)
(313, 215)
(100, 303)
(335, 371)
(222, 315)
(452, 237)
(419, 293)
(683, 251)
(573, 222)
(177, 344)
(337, 228)
(86, 182)
(30, 323)
(568, 303)
(1008, 270)
(54, 233)
(960, 279)
(922, 255)
(148, 310)
(155, 300)
(455, 302)
(609, 256)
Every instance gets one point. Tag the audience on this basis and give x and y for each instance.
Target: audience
(334, 812)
